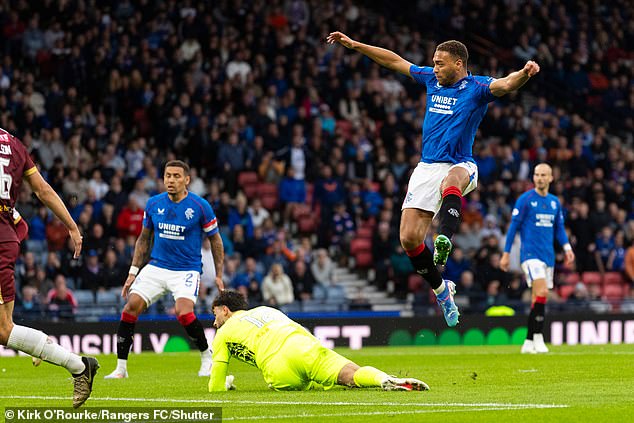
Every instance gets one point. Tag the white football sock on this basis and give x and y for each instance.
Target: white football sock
(440, 289)
(38, 344)
(122, 364)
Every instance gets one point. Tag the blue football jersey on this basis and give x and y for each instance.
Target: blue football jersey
(452, 116)
(539, 220)
(178, 230)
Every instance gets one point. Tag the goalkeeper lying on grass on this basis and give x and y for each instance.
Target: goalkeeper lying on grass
(288, 355)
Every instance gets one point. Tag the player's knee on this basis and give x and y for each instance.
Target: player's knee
(134, 307)
(542, 292)
(5, 330)
(410, 239)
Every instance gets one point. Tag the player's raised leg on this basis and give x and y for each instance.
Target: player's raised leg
(125, 333)
(414, 225)
(449, 214)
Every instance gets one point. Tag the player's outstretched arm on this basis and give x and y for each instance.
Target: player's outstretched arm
(218, 252)
(514, 80)
(49, 197)
(383, 57)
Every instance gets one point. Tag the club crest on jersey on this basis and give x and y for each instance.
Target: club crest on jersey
(463, 85)
(553, 205)
(160, 211)
(534, 203)
(189, 213)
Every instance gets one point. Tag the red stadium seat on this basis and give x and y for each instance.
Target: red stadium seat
(245, 178)
(566, 290)
(614, 291)
(364, 232)
(269, 201)
(591, 278)
(613, 278)
(306, 224)
(250, 189)
(267, 189)
(572, 278)
(363, 259)
(358, 245)
(301, 210)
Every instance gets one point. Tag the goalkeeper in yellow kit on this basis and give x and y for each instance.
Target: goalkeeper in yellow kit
(289, 357)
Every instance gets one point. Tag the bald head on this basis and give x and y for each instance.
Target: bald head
(544, 168)
(542, 178)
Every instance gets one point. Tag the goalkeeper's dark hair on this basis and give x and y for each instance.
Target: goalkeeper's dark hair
(233, 300)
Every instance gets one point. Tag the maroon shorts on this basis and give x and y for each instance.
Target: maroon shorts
(8, 255)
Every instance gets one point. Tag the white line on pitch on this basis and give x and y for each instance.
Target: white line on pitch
(338, 403)
(369, 413)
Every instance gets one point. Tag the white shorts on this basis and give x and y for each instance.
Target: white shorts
(537, 269)
(423, 190)
(153, 282)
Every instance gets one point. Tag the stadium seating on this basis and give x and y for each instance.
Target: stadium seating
(614, 292)
(360, 245)
(364, 259)
(84, 297)
(365, 232)
(572, 278)
(592, 278)
(613, 278)
(566, 290)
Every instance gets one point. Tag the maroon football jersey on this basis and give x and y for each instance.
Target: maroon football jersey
(15, 163)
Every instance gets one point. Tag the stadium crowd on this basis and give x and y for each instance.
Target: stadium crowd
(301, 148)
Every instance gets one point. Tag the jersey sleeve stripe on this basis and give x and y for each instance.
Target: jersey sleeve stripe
(211, 225)
(30, 171)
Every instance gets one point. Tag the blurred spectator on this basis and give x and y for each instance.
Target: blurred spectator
(604, 246)
(249, 274)
(382, 243)
(239, 215)
(61, 303)
(113, 273)
(401, 268)
(130, 220)
(258, 213)
(457, 263)
(292, 193)
(277, 288)
(580, 295)
(342, 227)
(303, 281)
(322, 268)
(28, 304)
(616, 258)
(56, 234)
(91, 275)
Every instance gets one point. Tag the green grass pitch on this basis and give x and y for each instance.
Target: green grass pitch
(481, 384)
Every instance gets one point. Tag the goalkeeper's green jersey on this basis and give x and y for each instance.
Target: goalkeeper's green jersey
(252, 336)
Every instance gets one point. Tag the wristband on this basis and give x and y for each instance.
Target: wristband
(567, 248)
(133, 270)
